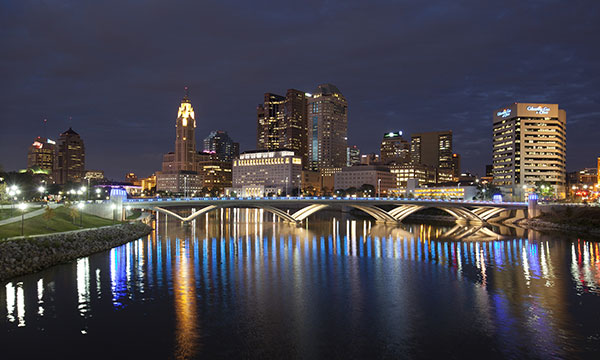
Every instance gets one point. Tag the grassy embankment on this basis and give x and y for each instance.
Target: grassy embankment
(61, 221)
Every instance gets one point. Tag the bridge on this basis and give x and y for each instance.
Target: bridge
(384, 210)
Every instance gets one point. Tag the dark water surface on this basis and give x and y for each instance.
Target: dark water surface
(232, 286)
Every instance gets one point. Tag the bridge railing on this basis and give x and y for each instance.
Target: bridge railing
(321, 198)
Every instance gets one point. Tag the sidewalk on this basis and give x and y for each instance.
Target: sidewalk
(27, 215)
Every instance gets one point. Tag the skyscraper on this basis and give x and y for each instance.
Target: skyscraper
(394, 148)
(281, 123)
(529, 145)
(179, 168)
(69, 165)
(219, 143)
(42, 154)
(185, 136)
(352, 156)
(432, 149)
(327, 129)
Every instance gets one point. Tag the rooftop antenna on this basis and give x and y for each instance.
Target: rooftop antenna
(187, 91)
(70, 122)
(46, 128)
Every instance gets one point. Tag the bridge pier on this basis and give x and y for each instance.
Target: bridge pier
(533, 209)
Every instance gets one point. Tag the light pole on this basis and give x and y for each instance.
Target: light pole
(80, 206)
(41, 190)
(378, 187)
(22, 207)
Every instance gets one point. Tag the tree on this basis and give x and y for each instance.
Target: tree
(544, 189)
(340, 192)
(486, 191)
(48, 215)
(367, 189)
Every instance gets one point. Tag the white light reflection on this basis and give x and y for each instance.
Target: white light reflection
(20, 305)
(83, 286)
(10, 302)
(40, 295)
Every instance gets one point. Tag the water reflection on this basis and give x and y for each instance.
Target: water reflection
(243, 272)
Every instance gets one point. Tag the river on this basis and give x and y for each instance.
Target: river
(236, 284)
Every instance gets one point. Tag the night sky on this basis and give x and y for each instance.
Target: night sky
(118, 68)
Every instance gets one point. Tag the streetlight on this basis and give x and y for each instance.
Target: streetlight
(13, 191)
(80, 206)
(22, 207)
(378, 187)
(84, 190)
(41, 190)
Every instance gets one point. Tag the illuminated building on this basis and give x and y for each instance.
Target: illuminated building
(454, 192)
(378, 176)
(432, 149)
(352, 155)
(327, 128)
(132, 178)
(456, 166)
(41, 154)
(214, 172)
(97, 175)
(149, 183)
(281, 123)
(69, 165)
(598, 179)
(185, 183)
(369, 159)
(529, 145)
(179, 169)
(218, 142)
(404, 172)
(394, 148)
(312, 182)
(277, 172)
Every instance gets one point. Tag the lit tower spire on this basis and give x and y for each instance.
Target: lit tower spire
(185, 141)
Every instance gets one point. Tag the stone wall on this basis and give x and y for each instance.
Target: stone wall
(31, 254)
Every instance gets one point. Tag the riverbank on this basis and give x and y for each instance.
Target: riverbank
(20, 256)
(584, 220)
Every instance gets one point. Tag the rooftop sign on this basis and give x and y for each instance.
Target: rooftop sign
(542, 110)
(505, 113)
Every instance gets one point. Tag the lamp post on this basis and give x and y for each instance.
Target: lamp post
(22, 207)
(80, 206)
(378, 187)
(41, 190)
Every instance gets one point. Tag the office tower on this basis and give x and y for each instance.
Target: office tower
(262, 173)
(352, 155)
(327, 129)
(369, 159)
(432, 149)
(179, 168)
(529, 145)
(69, 165)
(185, 137)
(219, 143)
(41, 155)
(456, 166)
(282, 123)
(394, 148)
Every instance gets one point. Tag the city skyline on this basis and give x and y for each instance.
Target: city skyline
(126, 115)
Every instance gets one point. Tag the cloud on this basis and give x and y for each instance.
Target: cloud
(118, 69)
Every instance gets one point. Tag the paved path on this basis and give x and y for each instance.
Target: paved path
(27, 215)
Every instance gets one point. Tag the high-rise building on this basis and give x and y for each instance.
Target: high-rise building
(456, 166)
(327, 129)
(394, 148)
(432, 149)
(179, 168)
(219, 143)
(69, 165)
(41, 155)
(529, 145)
(352, 155)
(282, 123)
(215, 173)
(260, 173)
(185, 137)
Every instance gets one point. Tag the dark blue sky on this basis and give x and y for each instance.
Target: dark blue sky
(118, 68)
